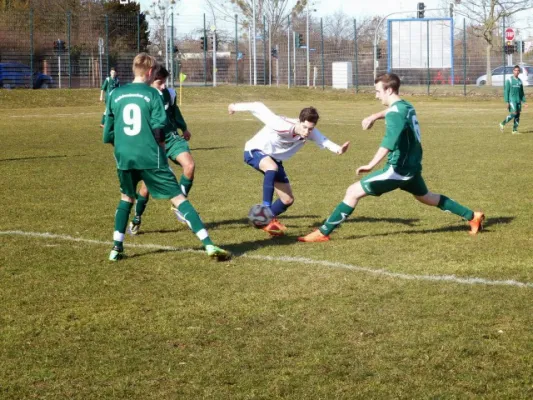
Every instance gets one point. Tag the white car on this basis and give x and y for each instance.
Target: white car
(526, 75)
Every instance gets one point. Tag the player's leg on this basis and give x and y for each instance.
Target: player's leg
(418, 189)
(285, 200)
(128, 181)
(517, 118)
(162, 184)
(374, 184)
(142, 198)
(187, 177)
(269, 168)
(512, 113)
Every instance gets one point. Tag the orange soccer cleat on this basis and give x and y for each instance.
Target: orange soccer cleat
(275, 228)
(476, 224)
(315, 236)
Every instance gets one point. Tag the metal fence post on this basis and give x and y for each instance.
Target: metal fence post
(107, 42)
(68, 50)
(289, 51)
(172, 48)
(427, 42)
(503, 53)
(356, 72)
(264, 52)
(464, 56)
(322, 51)
(206, 41)
(31, 41)
(236, 51)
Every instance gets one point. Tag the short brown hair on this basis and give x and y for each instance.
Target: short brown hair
(517, 66)
(159, 73)
(389, 81)
(309, 114)
(142, 63)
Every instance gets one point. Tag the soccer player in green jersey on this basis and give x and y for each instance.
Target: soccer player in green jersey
(110, 83)
(403, 170)
(513, 95)
(176, 147)
(135, 118)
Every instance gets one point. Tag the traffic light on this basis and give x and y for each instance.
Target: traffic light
(509, 48)
(301, 40)
(451, 10)
(523, 46)
(203, 43)
(274, 52)
(420, 9)
(175, 49)
(214, 40)
(59, 45)
(378, 52)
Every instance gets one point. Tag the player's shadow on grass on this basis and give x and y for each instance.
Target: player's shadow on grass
(233, 223)
(450, 228)
(401, 221)
(211, 148)
(32, 158)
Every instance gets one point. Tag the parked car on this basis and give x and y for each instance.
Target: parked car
(526, 75)
(17, 75)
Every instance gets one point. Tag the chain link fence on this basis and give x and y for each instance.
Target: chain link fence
(77, 51)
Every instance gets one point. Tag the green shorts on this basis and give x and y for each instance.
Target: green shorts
(515, 107)
(386, 180)
(176, 147)
(161, 183)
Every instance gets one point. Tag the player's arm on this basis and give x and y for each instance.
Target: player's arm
(369, 121)
(262, 113)
(324, 143)
(103, 89)
(109, 127)
(380, 155)
(158, 118)
(395, 125)
(506, 90)
(180, 121)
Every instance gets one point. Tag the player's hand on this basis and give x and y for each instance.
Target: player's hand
(187, 135)
(363, 169)
(368, 122)
(231, 110)
(526, 105)
(101, 99)
(344, 147)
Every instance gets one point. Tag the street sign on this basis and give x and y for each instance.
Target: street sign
(509, 34)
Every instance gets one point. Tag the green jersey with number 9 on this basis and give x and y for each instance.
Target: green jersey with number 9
(134, 111)
(402, 138)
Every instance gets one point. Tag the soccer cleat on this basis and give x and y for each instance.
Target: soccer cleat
(516, 132)
(315, 236)
(179, 215)
(116, 254)
(134, 227)
(501, 127)
(217, 253)
(275, 228)
(476, 224)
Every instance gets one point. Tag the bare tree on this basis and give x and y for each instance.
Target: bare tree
(486, 16)
(159, 17)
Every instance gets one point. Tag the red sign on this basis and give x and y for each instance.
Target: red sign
(509, 34)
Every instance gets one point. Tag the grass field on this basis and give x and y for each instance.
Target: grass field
(401, 304)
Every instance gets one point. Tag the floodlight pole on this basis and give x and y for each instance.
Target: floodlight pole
(375, 58)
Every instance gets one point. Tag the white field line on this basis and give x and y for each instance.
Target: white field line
(295, 260)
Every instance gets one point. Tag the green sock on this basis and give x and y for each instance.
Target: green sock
(446, 204)
(121, 222)
(509, 117)
(103, 119)
(140, 206)
(341, 212)
(194, 222)
(516, 122)
(185, 184)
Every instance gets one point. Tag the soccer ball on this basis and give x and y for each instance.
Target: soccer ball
(260, 215)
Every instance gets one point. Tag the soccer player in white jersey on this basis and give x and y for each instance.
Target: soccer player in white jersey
(276, 142)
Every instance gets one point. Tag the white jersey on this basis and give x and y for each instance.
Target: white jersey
(277, 138)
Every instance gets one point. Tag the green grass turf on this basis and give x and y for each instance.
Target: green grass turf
(169, 324)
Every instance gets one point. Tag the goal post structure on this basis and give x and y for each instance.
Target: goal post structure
(421, 44)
